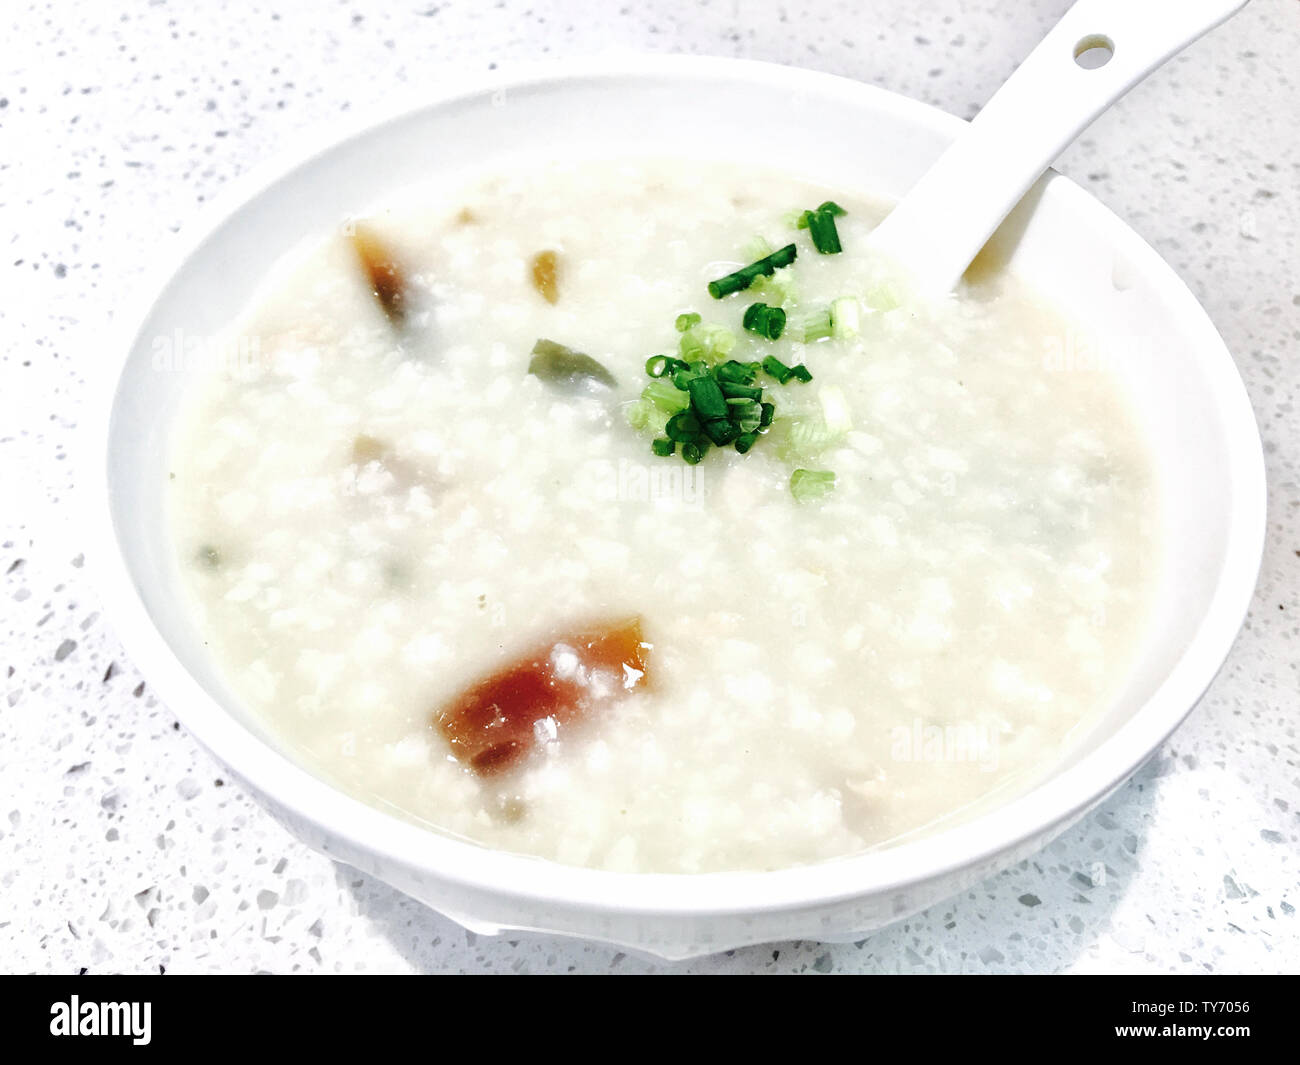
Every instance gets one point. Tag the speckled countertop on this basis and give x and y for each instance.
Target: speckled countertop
(122, 844)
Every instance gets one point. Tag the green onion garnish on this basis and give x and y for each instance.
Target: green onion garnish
(663, 365)
(774, 367)
(666, 396)
(705, 342)
(733, 391)
(825, 237)
(703, 399)
(821, 227)
(683, 427)
(766, 321)
(747, 275)
(638, 413)
(682, 378)
(707, 398)
(817, 326)
(808, 486)
(738, 373)
(721, 431)
(778, 289)
(748, 415)
(690, 346)
(844, 318)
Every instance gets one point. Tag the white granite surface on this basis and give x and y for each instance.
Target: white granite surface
(123, 846)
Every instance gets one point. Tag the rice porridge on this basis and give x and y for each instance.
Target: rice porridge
(471, 557)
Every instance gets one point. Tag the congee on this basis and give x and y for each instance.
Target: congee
(635, 518)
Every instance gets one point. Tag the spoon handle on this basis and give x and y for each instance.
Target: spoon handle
(1052, 97)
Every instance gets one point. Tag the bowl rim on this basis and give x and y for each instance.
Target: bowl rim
(368, 829)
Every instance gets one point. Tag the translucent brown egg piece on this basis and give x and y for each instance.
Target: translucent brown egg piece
(386, 279)
(546, 275)
(492, 725)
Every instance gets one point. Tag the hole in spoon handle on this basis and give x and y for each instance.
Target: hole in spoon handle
(1093, 51)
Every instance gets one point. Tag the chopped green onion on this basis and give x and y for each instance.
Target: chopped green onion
(738, 373)
(806, 436)
(749, 417)
(821, 227)
(778, 288)
(766, 321)
(683, 427)
(808, 486)
(740, 391)
(825, 237)
(666, 396)
(844, 318)
(747, 275)
(683, 378)
(703, 342)
(638, 413)
(700, 398)
(663, 365)
(817, 326)
(721, 431)
(707, 399)
(774, 367)
(718, 339)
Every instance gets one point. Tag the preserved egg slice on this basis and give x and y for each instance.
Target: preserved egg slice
(499, 720)
(385, 277)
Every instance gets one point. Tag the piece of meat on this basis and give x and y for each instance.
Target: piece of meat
(496, 722)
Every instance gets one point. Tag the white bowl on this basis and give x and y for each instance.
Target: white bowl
(1079, 254)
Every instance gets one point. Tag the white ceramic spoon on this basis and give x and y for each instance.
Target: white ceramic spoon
(1053, 96)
